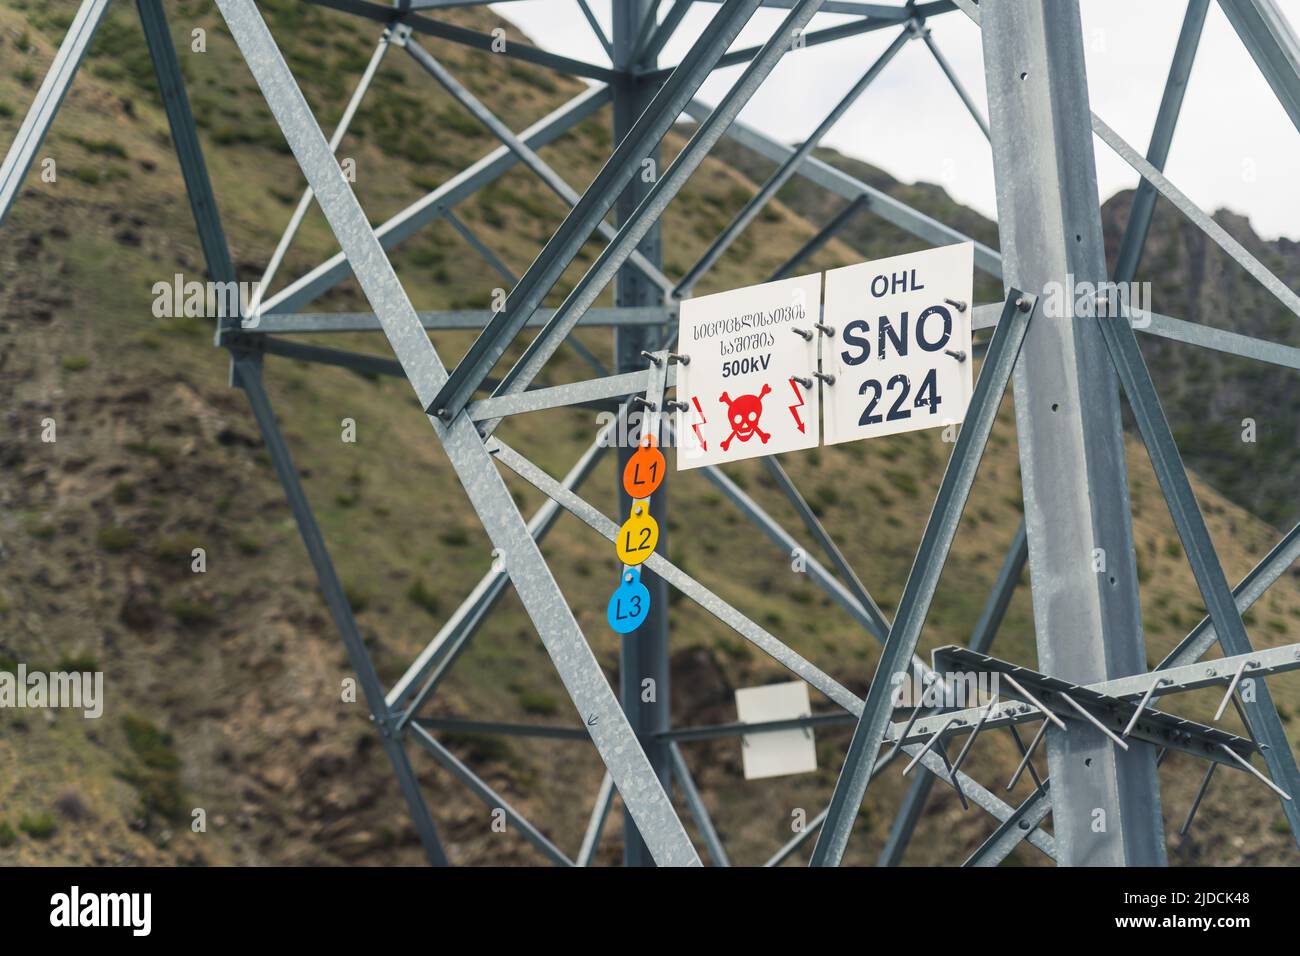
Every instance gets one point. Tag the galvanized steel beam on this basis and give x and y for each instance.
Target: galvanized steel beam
(786, 170)
(655, 201)
(1083, 571)
(577, 666)
(248, 376)
(404, 224)
(1162, 135)
(573, 233)
(1201, 555)
(986, 628)
(1272, 43)
(46, 104)
(923, 580)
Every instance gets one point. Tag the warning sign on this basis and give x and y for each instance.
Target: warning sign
(901, 350)
(750, 386)
(778, 752)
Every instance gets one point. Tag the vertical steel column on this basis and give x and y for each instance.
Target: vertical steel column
(1106, 802)
(644, 652)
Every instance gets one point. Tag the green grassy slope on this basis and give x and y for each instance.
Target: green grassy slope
(224, 689)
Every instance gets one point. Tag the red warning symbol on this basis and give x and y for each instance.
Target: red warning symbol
(744, 413)
(704, 445)
(794, 409)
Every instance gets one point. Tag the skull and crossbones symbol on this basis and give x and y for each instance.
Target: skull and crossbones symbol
(744, 412)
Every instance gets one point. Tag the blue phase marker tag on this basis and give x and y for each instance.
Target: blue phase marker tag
(629, 604)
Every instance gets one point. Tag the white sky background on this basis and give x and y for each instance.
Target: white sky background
(1234, 147)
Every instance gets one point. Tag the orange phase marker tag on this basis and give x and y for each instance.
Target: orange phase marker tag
(644, 471)
(637, 538)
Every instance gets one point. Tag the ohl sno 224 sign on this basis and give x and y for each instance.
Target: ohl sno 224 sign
(901, 352)
(749, 388)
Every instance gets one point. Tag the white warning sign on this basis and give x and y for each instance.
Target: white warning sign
(901, 352)
(776, 753)
(750, 387)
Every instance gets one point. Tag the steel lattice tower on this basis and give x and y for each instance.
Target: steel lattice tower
(1090, 691)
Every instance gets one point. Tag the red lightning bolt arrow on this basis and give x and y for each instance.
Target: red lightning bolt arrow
(704, 445)
(794, 408)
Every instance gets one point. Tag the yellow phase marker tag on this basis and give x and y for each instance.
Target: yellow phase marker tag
(637, 538)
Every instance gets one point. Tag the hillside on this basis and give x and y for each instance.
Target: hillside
(223, 688)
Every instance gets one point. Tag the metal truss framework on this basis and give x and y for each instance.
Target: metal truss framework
(1090, 694)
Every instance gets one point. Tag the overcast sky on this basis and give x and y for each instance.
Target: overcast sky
(1235, 147)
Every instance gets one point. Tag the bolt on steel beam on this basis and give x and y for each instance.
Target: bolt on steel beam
(1014, 829)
